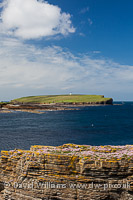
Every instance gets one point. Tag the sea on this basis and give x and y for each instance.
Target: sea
(92, 125)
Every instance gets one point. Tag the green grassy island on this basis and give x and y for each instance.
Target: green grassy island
(65, 99)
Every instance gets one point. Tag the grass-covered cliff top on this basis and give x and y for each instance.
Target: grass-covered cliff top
(47, 99)
(85, 152)
(3, 103)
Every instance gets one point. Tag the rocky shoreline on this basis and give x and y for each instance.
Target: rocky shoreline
(70, 171)
(38, 108)
(33, 110)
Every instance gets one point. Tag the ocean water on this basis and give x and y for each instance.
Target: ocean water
(94, 125)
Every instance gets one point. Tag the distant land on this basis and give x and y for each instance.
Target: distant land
(65, 99)
(54, 102)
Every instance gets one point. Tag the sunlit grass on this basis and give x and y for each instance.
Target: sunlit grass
(62, 99)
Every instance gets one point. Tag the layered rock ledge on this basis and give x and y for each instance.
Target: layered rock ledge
(67, 172)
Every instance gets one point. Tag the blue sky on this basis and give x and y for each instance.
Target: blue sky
(59, 46)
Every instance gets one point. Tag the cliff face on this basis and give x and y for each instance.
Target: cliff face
(67, 172)
(56, 106)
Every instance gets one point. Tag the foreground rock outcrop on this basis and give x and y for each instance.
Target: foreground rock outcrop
(67, 172)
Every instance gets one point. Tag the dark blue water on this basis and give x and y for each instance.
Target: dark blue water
(96, 125)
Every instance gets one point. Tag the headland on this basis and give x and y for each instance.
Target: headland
(54, 102)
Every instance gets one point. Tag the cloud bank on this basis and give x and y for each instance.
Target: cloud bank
(31, 19)
(28, 70)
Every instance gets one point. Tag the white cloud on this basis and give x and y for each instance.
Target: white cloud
(96, 52)
(28, 70)
(82, 34)
(29, 19)
(84, 10)
(90, 21)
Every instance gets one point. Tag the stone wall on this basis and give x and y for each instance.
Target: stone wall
(38, 174)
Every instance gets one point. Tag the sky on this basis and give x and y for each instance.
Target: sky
(59, 46)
